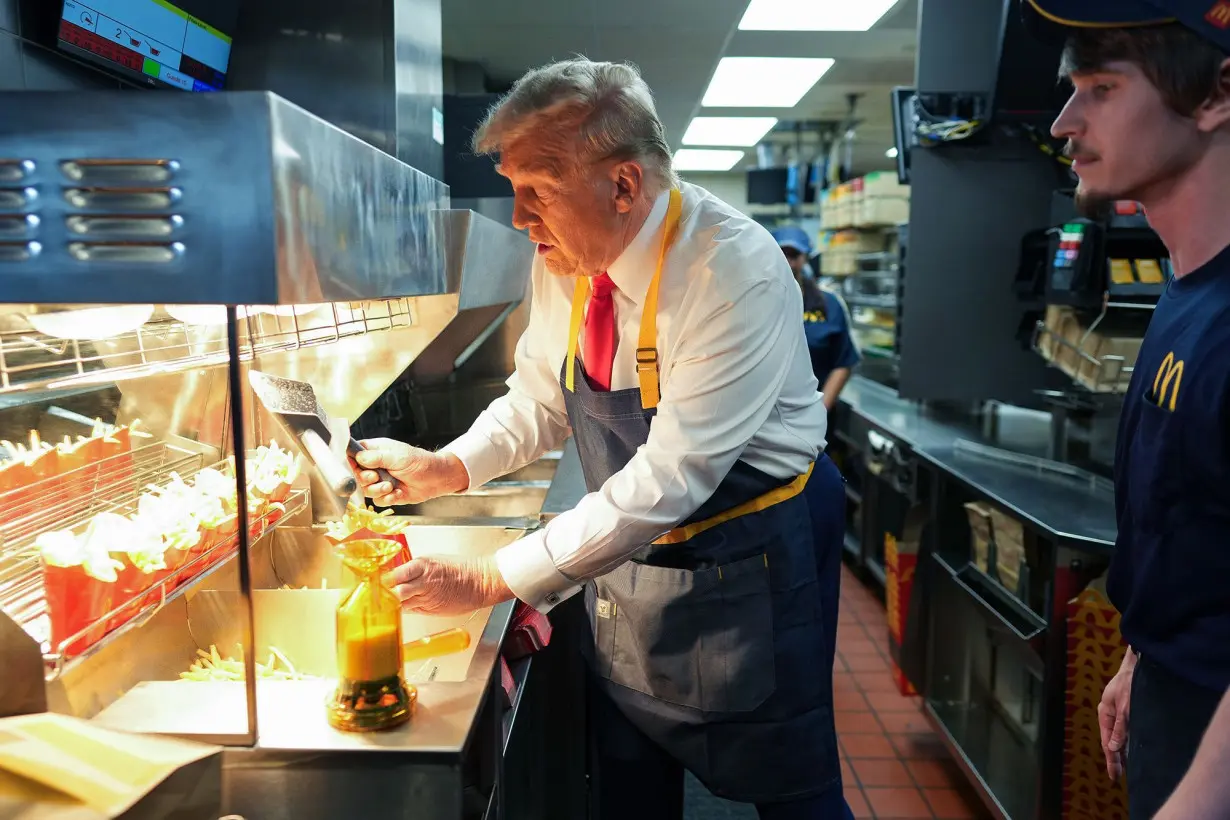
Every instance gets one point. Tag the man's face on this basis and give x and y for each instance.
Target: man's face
(1124, 141)
(571, 211)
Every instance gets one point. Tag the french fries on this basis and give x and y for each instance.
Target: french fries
(357, 518)
(211, 666)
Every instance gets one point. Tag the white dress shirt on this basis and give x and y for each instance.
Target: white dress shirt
(736, 384)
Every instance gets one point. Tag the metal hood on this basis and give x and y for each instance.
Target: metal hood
(231, 198)
(245, 199)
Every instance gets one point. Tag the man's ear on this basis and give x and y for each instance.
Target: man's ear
(1214, 113)
(628, 183)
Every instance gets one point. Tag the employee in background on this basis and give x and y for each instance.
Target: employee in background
(664, 337)
(1149, 120)
(826, 320)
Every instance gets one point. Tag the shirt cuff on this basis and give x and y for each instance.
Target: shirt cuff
(531, 574)
(477, 455)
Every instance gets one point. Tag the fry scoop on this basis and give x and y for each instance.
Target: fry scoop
(294, 404)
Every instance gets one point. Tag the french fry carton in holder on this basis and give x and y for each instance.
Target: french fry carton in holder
(366, 534)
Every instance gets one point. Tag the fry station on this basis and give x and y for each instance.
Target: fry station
(241, 258)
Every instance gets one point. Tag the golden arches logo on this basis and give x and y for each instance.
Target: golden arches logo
(1219, 15)
(1167, 381)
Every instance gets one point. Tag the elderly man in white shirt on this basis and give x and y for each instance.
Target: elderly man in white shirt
(664, 337)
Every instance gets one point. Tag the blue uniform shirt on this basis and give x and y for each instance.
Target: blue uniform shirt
(1170, 576)
(828, 332)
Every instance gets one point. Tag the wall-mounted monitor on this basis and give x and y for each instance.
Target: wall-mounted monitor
(181, 44)
(771, 186)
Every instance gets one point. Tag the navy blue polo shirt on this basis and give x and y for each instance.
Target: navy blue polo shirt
(1170, 576)
(827, 328)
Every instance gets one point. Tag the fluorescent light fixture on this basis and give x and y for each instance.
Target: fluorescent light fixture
(763, 82)
(814, 15)
(742, 131)
(891, 153)
(706, 159)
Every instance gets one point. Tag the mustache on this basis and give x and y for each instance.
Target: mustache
(1078, 150)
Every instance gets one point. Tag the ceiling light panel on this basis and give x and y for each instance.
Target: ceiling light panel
(763, 82)
(743, 131)
(814, 15)
(705, 159)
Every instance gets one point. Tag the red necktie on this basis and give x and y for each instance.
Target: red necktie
(600, 332)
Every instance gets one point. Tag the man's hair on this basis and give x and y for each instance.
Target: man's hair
(585, 111)
(1181, 64)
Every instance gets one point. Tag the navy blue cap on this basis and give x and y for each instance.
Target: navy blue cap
(794, 237)
(1208, 18)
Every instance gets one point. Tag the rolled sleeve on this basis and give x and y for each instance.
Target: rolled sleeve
(530, 572)
(478, 455)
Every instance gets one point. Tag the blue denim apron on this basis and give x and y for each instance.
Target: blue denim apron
(716, 641)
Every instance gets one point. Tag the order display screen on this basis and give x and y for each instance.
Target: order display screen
(184, 45)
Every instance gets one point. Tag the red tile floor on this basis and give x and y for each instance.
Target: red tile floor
(893, 765)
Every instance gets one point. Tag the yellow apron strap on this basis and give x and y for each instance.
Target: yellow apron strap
(647, 369)
(580, 293)
(758, 504)
(647, 342)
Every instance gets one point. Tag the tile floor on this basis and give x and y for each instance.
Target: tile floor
(893, 766)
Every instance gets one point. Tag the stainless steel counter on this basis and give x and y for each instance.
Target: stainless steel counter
(1075, 507)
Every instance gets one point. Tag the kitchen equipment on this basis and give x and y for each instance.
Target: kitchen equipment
(372, 693)
(371, 690)
(357, 279)
(294, 404)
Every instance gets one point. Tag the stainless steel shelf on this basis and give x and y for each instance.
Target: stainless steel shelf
(877, 302)
(112, 485)
(31, 360)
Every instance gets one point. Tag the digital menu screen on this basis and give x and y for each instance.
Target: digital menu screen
(184, 45)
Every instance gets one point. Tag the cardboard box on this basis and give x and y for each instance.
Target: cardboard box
(1095, 650)
(1099, 361)
(1062, 340)
(882, 211)
(54, 767)
(991, 526)
(1116, 356)
(900, 565)
(884, 183)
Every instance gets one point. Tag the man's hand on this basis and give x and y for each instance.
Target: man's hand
(435, 586)
(1113, 714)
(423, 475)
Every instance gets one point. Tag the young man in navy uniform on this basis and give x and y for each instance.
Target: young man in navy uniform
(1149, 120)
(826, 320)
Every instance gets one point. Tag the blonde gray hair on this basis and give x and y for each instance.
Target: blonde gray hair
(595, 111)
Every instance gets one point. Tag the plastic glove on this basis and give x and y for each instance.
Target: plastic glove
(435, 586)
(424, 475)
